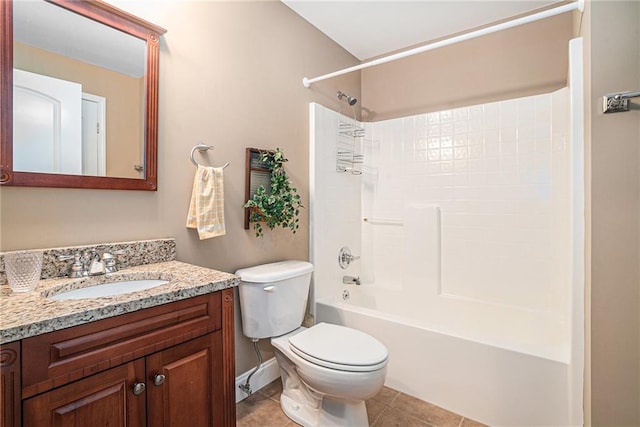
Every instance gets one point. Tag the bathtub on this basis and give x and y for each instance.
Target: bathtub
(495, 375)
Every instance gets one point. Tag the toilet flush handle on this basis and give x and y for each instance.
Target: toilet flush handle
(270, 288)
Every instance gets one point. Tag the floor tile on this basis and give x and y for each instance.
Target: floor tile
(386, 395)
(375, 408)
(434, 415)
(273, 389)
(386, 409)
(395, 418)
(259, 410)
(466, 422)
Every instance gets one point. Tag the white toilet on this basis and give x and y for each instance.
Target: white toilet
(327, 370)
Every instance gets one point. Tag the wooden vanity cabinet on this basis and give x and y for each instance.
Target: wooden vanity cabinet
(104, 399)
(170, 365)
(10, 399)
(188, 378)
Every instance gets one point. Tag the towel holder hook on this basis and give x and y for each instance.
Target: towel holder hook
(202, 147)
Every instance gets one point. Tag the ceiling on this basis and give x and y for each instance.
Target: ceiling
(365, 28)
(55, 29)
(372, 28)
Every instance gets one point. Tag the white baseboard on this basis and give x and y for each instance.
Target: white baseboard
(268, 372)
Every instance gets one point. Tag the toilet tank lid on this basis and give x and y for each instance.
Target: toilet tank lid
(274, 271)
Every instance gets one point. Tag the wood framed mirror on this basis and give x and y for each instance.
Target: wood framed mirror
(120, 97)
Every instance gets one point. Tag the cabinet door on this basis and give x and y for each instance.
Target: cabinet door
(184, 384)
(104, 399)
(10, 414)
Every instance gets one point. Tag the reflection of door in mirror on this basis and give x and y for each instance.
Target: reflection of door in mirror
(55, 122)
(93, 135)
(46, 124)
(57, 43)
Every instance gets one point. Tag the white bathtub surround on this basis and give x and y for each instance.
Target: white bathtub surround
(471, 251)
(577, 298)
(334, 206)
(483, 193)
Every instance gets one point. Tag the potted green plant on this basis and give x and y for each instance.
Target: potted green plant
(280, 206)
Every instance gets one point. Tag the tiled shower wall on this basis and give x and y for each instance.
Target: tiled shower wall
(499, 174)
(335, 206)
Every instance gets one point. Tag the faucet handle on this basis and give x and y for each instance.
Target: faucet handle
(93, 254)
(110, 260)
(112, 254)
(345, 257)
(109, 263)
(77, 269)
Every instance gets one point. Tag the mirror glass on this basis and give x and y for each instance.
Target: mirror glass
(78, 94)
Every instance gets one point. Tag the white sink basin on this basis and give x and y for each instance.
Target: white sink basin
(109, 289)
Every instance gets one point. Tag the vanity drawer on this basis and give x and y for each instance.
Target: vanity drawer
(67, 355)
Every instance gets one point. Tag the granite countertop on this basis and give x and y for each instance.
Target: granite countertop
(28, 314)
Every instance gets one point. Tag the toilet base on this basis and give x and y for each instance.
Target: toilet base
(330, 413)
(314, 395)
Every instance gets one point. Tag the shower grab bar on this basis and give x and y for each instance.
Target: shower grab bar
(577, 5)
(202, 147)
(384, 221)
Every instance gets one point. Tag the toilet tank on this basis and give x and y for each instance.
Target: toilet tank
(273, 297)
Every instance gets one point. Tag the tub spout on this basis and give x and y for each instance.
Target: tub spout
(350, 280)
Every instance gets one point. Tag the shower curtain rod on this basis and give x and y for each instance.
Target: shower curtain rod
(577, 5)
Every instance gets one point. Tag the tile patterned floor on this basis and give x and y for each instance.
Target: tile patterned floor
(387, 409)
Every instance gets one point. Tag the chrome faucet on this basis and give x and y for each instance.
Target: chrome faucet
(91, 263)
(96, 265)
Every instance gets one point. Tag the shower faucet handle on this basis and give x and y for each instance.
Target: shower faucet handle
(345, 257)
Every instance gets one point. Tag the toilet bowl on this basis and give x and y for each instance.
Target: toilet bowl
(326, 382)
(327, 370)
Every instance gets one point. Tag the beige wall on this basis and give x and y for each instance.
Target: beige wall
(230, 75)
(521, 61)
(615, 209)
(124, 95)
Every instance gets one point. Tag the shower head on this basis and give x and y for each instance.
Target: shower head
(350, 99)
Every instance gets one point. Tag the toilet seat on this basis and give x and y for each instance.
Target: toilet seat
(338, 347)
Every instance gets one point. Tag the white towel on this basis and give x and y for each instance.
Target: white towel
(206, 210)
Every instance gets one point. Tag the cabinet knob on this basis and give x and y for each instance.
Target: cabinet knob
(158, 379)
(139, 388)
